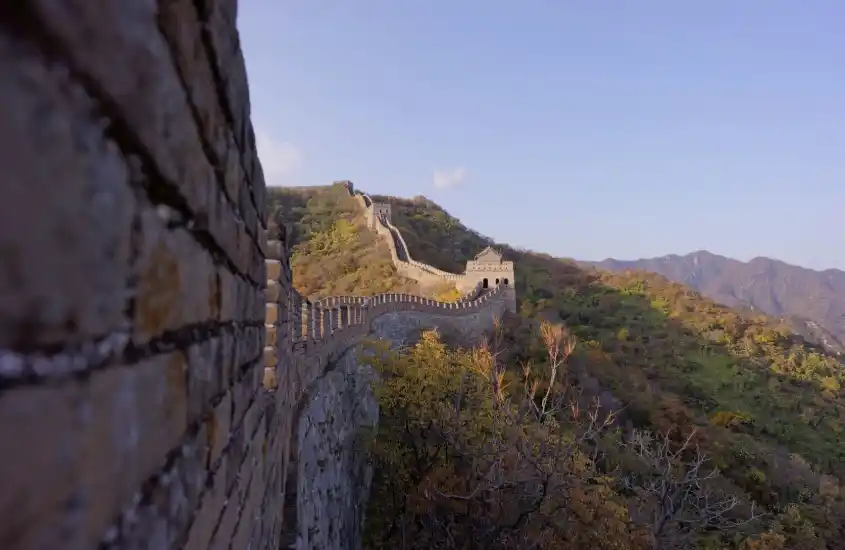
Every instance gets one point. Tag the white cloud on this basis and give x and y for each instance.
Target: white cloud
(281, 160)
(444, 179)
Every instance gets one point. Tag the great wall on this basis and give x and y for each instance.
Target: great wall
(162, 385)
(329, 391)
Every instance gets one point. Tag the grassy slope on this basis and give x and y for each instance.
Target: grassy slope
(769, 408)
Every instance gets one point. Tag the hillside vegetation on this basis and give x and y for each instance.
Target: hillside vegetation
(765, 406)
(333, 252)
(811, 302)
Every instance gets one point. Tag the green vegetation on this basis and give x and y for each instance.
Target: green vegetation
(333, 252)
(446, 292)
(458, 466)
(765, 406)
(811, 302)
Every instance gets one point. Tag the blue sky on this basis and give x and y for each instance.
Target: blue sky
(583, 129)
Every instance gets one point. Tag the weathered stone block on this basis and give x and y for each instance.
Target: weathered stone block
(270, 359)
(273, 314)
(270, 382)
(270, 334)
(180, 24)
(236, 296)
(205, 374)
(244, 394)
(39, 473)
(66, 209)
(262, 235)
(273, 292)
(238, 472)
(177, 284)
(100, 36)
(248, 346)
(207, 517)
(251, 513)
(220, 17)
(219, 427)
(258, 185)
(244, 196)
(274, 270)
(161, 520)
(135, 416)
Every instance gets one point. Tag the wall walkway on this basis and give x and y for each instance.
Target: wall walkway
(405, 264)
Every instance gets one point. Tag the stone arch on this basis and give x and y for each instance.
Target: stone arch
(485, 283)
(505, 281)
(497, 281)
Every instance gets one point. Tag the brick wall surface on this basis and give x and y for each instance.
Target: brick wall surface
(132, 281)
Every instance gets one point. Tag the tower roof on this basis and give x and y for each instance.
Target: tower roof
(489, 255)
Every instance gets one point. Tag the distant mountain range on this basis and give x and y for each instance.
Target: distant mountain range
(812, 302)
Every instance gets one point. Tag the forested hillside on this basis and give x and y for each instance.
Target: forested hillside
(766, 407)
(811, 302)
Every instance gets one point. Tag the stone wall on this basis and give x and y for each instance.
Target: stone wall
(323, 394)
(333, 475)
(131, 293)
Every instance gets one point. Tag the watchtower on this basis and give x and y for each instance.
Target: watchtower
(490, 269)
(378, 210)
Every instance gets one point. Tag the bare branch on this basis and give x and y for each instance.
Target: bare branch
(676, 494)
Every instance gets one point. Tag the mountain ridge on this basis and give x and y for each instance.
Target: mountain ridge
(812, 302)
(705, 252)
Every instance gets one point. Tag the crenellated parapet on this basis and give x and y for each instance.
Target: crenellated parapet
(324, 328)
(339, 318)
(277, 296)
